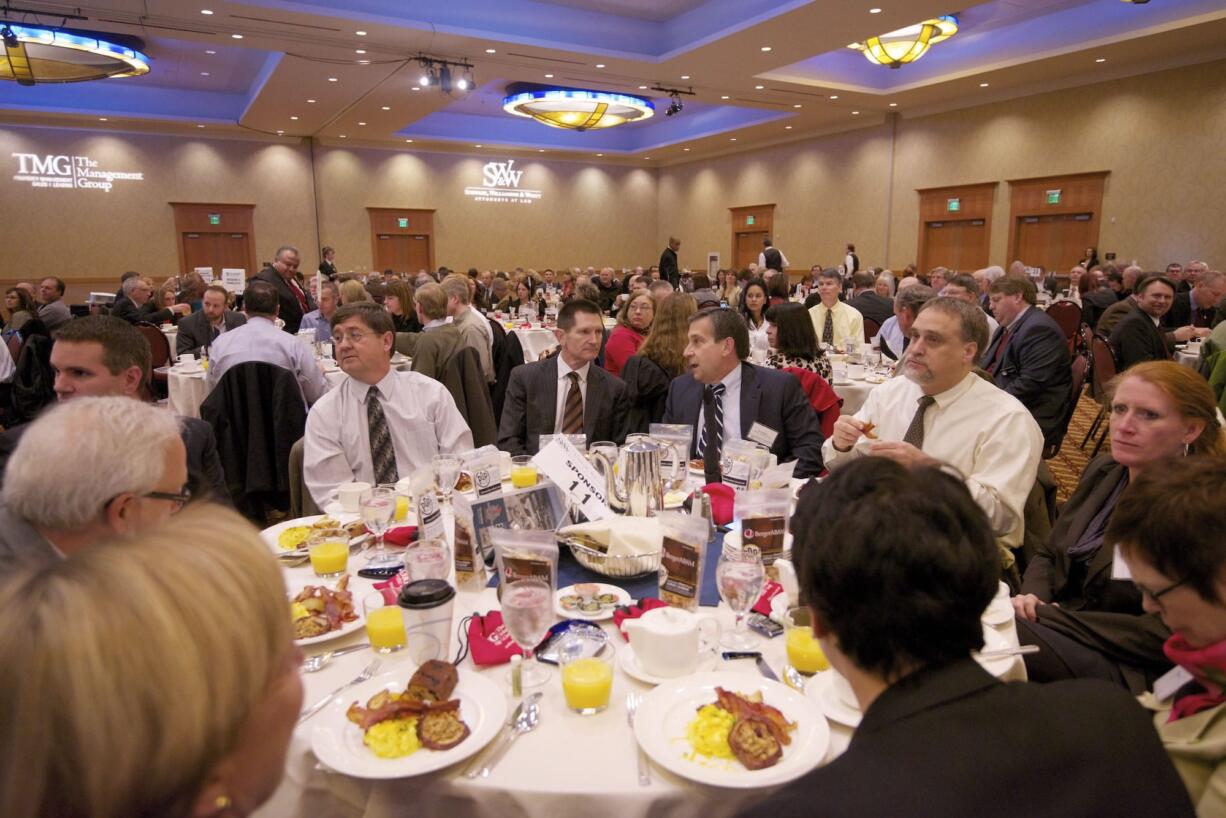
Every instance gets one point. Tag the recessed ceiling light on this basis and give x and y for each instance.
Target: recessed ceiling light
(311, 100)
(491, 51)
(209, 51)
(540, 150)
(983, 85)
(642, 87)
(294, 118)
(363, 62)
(685, 76)
(646, 157)
(280, 132)
(361, 123)
(797, 105)
(360, 33)
(855, 113)
(766, 48)
(206, 11)
(724, 96)
(333, 79)
(600, 65)
(549, 76)
(834, 96)
(410, 141)
(874, 11)
(359, 51)
(343, 136)
(102, 119)
(204, 73)
(732, 139)
(476, 146)
(199, 126)
(685, 149)
(236, 36)
(1101, 59)
(387, 107)
(893, 104)
(787, 127)
(600, 154)
(759, 87)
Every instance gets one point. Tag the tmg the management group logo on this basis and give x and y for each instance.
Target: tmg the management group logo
(500, 183)
(68, 172)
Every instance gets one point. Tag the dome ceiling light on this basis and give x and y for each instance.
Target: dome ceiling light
(36, 54)
(575, 109)
(905, 45)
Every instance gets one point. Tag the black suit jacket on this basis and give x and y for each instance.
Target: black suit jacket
(668, 267)
(771, 398)
(953, 742)
(195, 331)
(1182, 314)
(328, 269)
(873, 306)
(291, 311)
(530, 409)
(646, 392)
(1136, 339)
(126, 309)
(1035, 368)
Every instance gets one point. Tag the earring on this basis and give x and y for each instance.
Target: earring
(1187, 449)
(222, 803)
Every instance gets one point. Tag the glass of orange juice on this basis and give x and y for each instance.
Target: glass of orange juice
(523, 472)
(328, 549)
(587, 674)
(805, 654)
(384, 623)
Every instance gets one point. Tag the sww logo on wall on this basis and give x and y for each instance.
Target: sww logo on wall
(500, 183)
(79, 172)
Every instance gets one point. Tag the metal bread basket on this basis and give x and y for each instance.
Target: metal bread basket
(618, 565)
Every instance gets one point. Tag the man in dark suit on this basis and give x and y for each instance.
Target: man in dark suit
(724, 398)
(136, 306)
(201, 329)
(1137, 337)
(294, 301)
(939, 735)
(567, 393)
(1028, 355)
(669, 270)
(866, 301)
(1197, 307)
(104, 356)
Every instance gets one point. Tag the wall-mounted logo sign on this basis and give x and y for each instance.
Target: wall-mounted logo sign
(500, 183)
(68, 172)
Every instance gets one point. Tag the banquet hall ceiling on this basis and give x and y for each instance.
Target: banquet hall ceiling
(762, 71)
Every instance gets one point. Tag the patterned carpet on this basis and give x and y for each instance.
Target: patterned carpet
(1068, 465)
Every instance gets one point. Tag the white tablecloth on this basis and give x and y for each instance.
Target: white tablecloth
(535, 341)
(570, 764)
(854, 393)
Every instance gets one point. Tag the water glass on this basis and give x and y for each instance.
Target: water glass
(377, 507)
(527, 613)
(446, 472)
(384, 623)
(427, 559)
(739, 575)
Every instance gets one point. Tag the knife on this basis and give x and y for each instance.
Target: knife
(763, 667)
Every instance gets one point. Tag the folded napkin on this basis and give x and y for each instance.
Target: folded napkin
(624, 536)
(771, 590)
(634, 612)
(488, 640)
(723, 498)
(400, 537)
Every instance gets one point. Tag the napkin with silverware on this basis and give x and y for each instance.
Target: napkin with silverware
(621, 536)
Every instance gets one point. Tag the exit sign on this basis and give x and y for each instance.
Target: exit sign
(403, 222)
(1053, 197)
(953, 205)
(749, 220)
(214, 218)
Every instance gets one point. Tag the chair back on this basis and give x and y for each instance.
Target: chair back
(1086, 342)
(1077, 380)
(1067, 316)
(14, 345)
(1105, 365)
(871, 328)
(301, 503)
(159, 346)
(822, 397)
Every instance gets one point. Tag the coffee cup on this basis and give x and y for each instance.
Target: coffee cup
(855, 371)
(187, 359)
(427, 606)
(350, 496)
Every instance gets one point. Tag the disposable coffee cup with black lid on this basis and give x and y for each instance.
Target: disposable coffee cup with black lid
(427, 605)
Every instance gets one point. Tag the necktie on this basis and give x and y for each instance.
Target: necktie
(915, 432)
(382, 455)
(711, 441)
(297, 291)
(828, 329)
(572, 411)
(214, 333)
(1000, 351)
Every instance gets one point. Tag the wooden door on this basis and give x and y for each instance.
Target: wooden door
(1055, 218)
(960, 245)
(1054, 242)
(750, 224)
(200, 250)
(401, 239)
(215, 235)
(417, 254)
(233, 250)
(748, 246)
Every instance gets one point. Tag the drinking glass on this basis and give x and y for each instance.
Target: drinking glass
(377, 507)
(587, 676)
(523, 471)
(527, 613)
(403, 501)
(328, 549)
(446, 472)
(805, 655)
(427, 559)
(739, 575)
(384, 623)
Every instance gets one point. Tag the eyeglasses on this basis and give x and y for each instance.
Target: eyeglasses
(351, 337)
(1156, 596)
(179, 499)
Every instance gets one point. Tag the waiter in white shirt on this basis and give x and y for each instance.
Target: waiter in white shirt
(771, 257)
(381, 424)
(942, 412)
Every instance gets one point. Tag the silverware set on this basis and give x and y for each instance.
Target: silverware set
(524, 720)
(365, 675)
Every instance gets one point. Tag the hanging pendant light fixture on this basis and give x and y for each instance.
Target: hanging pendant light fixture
(906, 45)
(575, 109)
(34, 55)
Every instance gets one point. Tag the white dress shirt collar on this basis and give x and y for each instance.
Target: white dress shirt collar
(386, 385)
(950, 395)
(437, 322)
(564, 370)
(1019, 316)
(732, 381)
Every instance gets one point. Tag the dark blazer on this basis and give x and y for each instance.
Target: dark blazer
(291, 311)
(873, 306)
(646, 391)
(328, 269)
(1182, 314)
(196, 332)
(771, 398)
(1136, 339)
(530, 409)
(1035, 368)
(440, 354)
(668, 267)
(954, 742)
(126, 309)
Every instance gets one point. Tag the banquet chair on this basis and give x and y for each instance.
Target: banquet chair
(509, 356)
(1067, 316)
(1077, 383)
(159, 349)
(301, 503)
(822, 397)
(871, 328)
(1104, 369)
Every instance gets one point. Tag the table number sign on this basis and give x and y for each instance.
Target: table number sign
(568, 468)
(233, 279)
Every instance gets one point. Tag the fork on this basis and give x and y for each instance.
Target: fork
(632, 705)
(369, 671)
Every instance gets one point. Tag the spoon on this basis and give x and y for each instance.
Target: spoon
(320, 660)
(471, 771)
(526, 719)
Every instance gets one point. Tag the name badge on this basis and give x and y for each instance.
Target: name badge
(765, 435)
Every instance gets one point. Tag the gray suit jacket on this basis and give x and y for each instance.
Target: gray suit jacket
(196, 332)
(530, 409)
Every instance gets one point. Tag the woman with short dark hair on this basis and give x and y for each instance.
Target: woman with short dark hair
(794, 341)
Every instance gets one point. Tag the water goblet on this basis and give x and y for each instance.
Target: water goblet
(739, 575)
(377, 507)
(446, 472)
(527, 613)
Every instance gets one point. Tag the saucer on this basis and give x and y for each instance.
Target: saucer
(844, 382)
(820, 688)
(875, 379)
(192, 369)
(629, 663)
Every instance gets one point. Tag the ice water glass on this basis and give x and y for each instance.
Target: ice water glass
(739, 575)
(378, 508)
(427, 559)
(527, 613)
(446, 472)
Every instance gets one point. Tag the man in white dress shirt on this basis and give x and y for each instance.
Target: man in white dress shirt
(260, 340)
(941, 412)
(381, 424)
(834, 321)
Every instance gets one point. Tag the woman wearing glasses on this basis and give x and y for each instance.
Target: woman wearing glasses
(633, 323)
(1169, 528)
(1086, 622)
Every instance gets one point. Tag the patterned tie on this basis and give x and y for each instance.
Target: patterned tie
(572, 412)
(711, 441)
(915, 432)
(382, 455)
(828, 329)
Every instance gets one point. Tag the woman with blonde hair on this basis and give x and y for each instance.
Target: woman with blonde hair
(353, 291)
(661, 358)
(149, 676)
(1088, 624)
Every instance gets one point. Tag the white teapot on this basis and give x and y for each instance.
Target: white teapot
(667, 641)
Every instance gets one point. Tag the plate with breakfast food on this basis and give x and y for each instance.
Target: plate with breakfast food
(320, 613)
(409, 722)
(592, 601)
(292, 535)
(731, 729)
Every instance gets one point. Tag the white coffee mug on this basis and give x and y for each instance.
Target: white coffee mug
(350, 496)
(187, 359)
(855, 371)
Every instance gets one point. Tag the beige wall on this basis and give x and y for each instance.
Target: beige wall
(1162, 137)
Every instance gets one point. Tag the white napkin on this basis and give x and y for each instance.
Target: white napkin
(624, 536)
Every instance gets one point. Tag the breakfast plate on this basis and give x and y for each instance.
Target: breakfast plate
(569, 602)
(629, 664)
(344, 630)
(662, 718)
(337, 742)
(272, 534)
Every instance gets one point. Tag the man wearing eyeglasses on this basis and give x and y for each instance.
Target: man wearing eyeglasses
(87, 470)
(381, 424)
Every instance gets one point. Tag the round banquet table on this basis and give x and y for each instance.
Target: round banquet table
(567, 758)
(854, 393)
